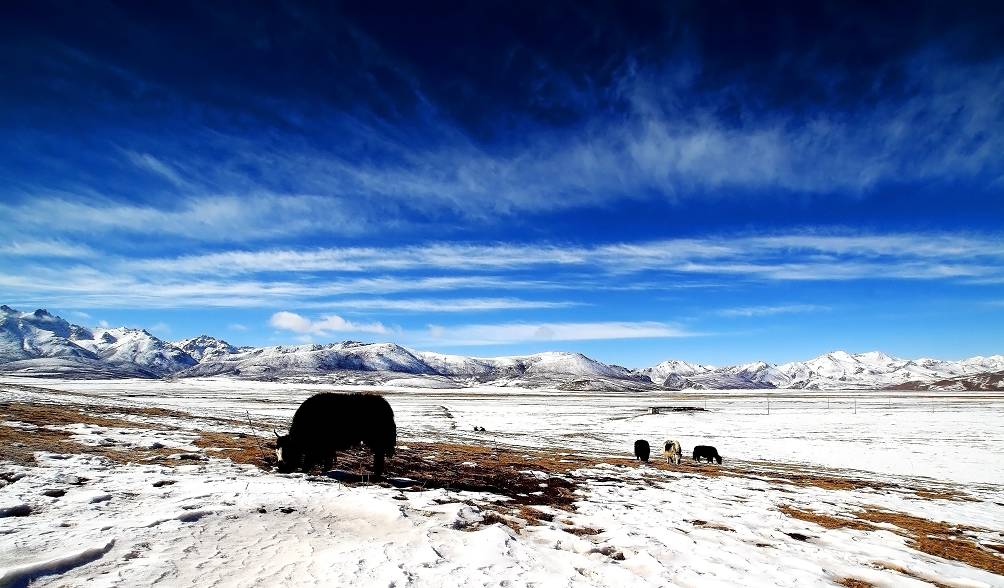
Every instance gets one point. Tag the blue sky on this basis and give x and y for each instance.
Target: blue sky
(702, 181)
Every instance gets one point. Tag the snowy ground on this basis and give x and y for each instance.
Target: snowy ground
(882, 484)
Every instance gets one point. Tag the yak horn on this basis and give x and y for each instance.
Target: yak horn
(276, 432)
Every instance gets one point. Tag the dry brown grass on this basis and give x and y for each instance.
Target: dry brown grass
(496, 470)
(533, 516)
(853, 583)
(238, 448)
(63, 414)
(826, 521)
(944, 494)
(516, 517)
(939, 539)
(772, 473)
(931, 537)
(908, 572)
(19, 445)
(152, 411)
(707, 525)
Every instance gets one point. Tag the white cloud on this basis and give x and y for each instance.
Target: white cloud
(491, 334)
(151, 164)
(46, 248)
(653, 148)
(444, 304)
(792, 255)
(754, 311)
(347, 277)
(258, 188)
(160, 328)
(290, 321)
(237, 327)
(80, 314)
(480, 334)
(103, 324)
(218, 219)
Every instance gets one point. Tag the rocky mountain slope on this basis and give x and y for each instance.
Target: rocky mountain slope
(38, 343)
(204, 347)
(990, 381)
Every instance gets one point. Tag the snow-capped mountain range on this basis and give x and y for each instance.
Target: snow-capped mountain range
(38, 343)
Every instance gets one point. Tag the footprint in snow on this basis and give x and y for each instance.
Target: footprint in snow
(160, 483)
(54, 492)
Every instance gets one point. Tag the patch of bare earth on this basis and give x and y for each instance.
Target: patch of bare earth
(940, 539)
(824, 520)
(773, 473)
(19, 444)
(853, 583)
(474, 468)
(944, 494)
(931, 537)
(238, 448)
(32, 434)
(42, 415)
(707, 525)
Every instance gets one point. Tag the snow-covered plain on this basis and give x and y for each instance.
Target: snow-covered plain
(213, 522)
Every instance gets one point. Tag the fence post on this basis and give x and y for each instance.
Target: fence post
(855, 406)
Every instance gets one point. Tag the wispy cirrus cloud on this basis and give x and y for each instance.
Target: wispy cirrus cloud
(336, 277)
(757, 311)
(232, 186)
(437, 305)
(833, 254)
(86, 286)
(149, 163)
(501, 334)
(46, 248)
(218, 219)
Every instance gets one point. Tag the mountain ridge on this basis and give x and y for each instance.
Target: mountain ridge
(39, 343)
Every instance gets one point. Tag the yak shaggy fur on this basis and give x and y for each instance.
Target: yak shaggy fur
(326, 423)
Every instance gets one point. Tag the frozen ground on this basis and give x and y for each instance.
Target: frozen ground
(886, 433)
(923, 468)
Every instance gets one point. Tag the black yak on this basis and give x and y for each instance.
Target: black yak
(327, 422)
(706, 452)
(641, 449)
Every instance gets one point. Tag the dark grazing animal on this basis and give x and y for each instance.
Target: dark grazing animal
(706, 452)
(641, 449)
(326, 423)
